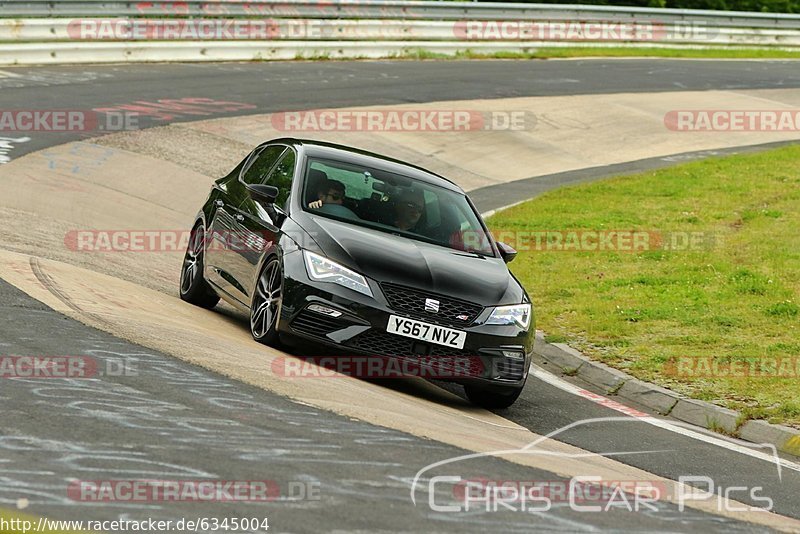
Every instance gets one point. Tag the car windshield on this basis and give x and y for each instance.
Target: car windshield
(395, 204)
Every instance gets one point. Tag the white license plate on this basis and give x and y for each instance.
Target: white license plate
(426, 332)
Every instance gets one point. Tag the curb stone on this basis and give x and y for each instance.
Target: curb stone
(664, 401)
(599, 374)
(655, 397)
(562, 355)
(705, 415)
(784, 438)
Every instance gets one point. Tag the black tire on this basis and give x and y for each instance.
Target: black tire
(193, 287)
(266, 305)
(492, 398)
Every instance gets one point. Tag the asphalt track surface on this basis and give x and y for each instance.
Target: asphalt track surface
(289, 86)
(167, 424)
(174, 421)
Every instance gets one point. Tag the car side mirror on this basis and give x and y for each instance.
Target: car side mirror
(506, 252)
(262, 193)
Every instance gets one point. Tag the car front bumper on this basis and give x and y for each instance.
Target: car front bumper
(493, 355)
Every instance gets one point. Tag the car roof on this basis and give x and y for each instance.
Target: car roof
(358, 156)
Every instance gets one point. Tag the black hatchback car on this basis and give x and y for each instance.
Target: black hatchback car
(367, 255)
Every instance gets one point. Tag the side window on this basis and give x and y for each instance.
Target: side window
(282, 175)
(261, 163)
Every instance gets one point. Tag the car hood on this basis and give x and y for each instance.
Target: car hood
(391, 258)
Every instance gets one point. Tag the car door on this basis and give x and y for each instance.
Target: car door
(227, 236)
(261, 223)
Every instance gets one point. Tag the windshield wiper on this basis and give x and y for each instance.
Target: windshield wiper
(477, 253)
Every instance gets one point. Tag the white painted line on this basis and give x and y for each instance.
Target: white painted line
(6, 74)
(726, 443)
(487, 214)
(490, 423)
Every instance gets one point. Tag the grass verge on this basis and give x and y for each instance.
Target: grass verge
(588, 51)
(707, 304)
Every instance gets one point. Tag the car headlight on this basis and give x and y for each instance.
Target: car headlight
(324, 270)
(515, 314)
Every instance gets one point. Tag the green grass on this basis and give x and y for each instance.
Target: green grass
(733, 298)
(610, 51)
(711, 53)
(719, 52)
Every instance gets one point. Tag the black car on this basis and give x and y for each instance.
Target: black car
(365, 254)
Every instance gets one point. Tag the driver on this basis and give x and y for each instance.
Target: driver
(329, 192)
(409, 207)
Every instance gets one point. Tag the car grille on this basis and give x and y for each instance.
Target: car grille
(315, 324)
(384, 344)
(412, 302)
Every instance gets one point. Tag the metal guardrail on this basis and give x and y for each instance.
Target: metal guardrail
(383, 9)
(121, 29)
(54, 31)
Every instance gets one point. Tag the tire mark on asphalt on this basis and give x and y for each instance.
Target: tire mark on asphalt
(50, 285)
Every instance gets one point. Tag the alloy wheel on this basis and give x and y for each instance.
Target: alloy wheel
(266, 302)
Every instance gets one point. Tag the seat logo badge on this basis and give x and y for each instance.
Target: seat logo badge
(462, 317)
(431, 305)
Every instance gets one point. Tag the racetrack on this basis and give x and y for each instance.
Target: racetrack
(587, 114)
